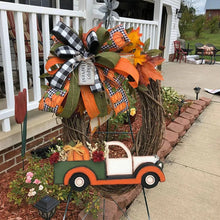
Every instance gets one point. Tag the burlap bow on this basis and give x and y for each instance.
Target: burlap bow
(76, 148)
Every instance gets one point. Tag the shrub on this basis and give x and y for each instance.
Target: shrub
(31, 185)
(199, 25)
(171, 101)
(213, 24)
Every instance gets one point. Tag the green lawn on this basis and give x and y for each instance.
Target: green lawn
(205, 38)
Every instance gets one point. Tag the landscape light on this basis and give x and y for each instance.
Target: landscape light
(47, 207)
(197, 90)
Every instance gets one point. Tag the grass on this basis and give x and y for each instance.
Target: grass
(205, 38)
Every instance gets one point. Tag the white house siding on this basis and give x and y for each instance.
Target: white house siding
(174, 30)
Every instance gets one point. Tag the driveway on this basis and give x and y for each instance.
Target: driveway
(183, 77)
(191, 190)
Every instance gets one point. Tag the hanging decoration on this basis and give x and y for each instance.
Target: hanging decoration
(87, 72)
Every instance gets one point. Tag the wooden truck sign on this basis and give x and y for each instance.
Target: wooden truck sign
(145, 170)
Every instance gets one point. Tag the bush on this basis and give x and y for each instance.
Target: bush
(171, 101)
(213, 24)
(31, 185)
(198, 25)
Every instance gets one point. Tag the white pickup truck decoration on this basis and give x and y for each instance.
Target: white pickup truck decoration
(145, 170)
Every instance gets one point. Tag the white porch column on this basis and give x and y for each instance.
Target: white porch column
(87, 5)
(158, 9)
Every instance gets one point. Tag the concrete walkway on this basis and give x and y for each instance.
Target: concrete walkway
(192, 170)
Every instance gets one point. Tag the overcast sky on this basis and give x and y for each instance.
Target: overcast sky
(199, 5)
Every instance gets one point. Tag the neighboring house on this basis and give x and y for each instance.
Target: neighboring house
(157, 20)
(212, 9)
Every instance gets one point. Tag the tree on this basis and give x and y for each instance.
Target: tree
(186, 21)
(199, 25)
(213, 24)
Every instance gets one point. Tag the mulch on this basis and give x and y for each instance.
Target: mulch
(10, 211)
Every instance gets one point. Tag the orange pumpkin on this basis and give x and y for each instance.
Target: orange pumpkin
(78, 152)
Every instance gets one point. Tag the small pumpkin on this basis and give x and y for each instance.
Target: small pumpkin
(77, 152)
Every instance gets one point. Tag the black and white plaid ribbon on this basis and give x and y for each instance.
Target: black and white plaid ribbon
(74, 51)
(97, 87)
(114, 87)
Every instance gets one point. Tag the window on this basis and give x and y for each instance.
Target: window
(66, 4)
(136, 9)
(8, 1)
(44, 3)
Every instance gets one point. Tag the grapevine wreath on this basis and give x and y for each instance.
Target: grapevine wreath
(86, 74)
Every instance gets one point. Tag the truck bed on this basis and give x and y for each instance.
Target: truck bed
(61, 168)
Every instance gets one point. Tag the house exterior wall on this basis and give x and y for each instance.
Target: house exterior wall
(173, 22)
(10, 158)
(212, 13)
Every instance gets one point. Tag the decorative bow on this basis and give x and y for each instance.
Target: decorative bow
(75, 52)
(76, 148)
(80, 58)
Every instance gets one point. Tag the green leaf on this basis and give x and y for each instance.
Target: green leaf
(80, 32)
(103, 35)
(154, 52)
(55, 46)
(109, 42)
(101, 103)
(45, 75)
(45, 87)
(146, 45)
(129, 29)
(72, 143)
(108, 59)
(72, 97)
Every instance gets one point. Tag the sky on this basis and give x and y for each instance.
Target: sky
(199, 5)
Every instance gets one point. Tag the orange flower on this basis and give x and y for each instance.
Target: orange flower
(138, 57)
(148, 70)
(134, 37)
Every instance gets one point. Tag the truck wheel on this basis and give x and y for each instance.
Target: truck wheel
(79, 181)
(149, 180)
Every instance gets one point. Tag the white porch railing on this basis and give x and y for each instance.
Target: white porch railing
(69, 17)
(149, 29)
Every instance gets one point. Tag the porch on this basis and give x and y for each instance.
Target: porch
(82, 15)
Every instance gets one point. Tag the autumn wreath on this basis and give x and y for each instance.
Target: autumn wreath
(86, 73)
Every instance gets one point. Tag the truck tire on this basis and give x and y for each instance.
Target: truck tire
(149, 180)
(79, 182)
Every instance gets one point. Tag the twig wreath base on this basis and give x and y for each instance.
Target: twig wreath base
(148, 139)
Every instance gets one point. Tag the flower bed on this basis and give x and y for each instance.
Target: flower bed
(9, 210)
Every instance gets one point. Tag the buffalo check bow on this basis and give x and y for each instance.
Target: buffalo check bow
(75, 52)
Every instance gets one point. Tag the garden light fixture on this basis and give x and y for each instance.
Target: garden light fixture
(180, 105)
(179, 13)
(197, 90)
(47, 207)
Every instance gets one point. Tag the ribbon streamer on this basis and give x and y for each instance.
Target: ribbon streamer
(74, 51)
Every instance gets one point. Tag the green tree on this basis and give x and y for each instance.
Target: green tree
(186, 22)
(198, 25)
(213, 24)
